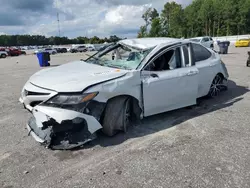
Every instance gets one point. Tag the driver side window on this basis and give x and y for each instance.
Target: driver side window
(167, 61)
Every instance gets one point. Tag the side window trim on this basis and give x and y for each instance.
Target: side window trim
(190, 55)
(160, 54)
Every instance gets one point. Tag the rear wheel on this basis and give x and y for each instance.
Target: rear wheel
(118, 115)
(217, 86)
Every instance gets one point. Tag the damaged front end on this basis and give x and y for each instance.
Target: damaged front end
(65, 125)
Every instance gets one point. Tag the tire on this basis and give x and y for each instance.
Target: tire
(248, 63)
(117, 116)
(3, 56)
(217, 86)
(53, 53)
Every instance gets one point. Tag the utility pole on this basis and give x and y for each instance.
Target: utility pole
(58, 21)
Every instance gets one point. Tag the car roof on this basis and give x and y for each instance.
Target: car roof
(201, 37)
(147, 43)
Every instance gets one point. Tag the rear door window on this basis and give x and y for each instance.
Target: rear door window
(200, 52)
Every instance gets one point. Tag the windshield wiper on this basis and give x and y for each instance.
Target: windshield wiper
(104, 48)
(91, 56)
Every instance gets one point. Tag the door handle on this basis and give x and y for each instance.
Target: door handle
(154, 75)
(190, 73)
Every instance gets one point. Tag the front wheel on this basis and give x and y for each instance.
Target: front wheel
(217, 86)
(118, 115)
(3, 56)
(248, 63)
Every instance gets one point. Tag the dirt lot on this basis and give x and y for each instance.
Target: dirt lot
(205, 146)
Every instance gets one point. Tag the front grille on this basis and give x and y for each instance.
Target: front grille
(28, 93)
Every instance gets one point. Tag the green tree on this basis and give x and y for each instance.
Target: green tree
(155, 30)
(173, 15)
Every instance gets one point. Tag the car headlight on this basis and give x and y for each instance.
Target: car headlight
(71, 99)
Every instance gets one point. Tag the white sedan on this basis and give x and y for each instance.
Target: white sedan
(117, 86)
(205, 41)
(50, 50)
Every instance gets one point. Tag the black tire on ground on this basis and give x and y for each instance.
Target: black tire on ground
(3, 56)
(53, 53)
(217, 86)
(117, 115)
(248, 64)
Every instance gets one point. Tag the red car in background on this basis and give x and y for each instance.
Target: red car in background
(13, 51)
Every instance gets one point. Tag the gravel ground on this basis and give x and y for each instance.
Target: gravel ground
(203, 146)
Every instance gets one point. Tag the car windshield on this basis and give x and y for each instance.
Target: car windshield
(119, 56)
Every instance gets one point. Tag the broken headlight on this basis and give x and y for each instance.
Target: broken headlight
(71, 99)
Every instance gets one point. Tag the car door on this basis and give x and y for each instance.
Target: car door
(206, 63)
(168, 83)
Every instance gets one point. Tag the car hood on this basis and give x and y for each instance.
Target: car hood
(74, 76)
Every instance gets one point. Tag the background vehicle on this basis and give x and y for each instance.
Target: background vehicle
(50, 50)
(78, 49)
(3, 54)
(205, 41)
(242, 43)
(90, 48)
(146, 77)
(61, 50)
(14, 52)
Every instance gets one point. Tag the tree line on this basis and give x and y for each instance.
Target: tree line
(26, 40)
(201, 17)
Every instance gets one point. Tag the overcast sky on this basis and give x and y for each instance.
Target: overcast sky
(77, 17)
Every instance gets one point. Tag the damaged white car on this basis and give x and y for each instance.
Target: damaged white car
(117, 86)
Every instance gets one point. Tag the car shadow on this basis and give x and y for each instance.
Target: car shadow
(156, 123)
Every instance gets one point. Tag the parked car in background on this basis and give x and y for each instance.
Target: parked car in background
(91, 48)
(50, 50)
(205, 41)
(61, 50)
(78, 49)
(3, 54)
(148, 76)
(242, 43)
(13, 52)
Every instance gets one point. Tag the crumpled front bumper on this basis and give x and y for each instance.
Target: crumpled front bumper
(57, 128)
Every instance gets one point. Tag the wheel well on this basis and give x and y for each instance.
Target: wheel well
(135, 106)
(220, 74)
